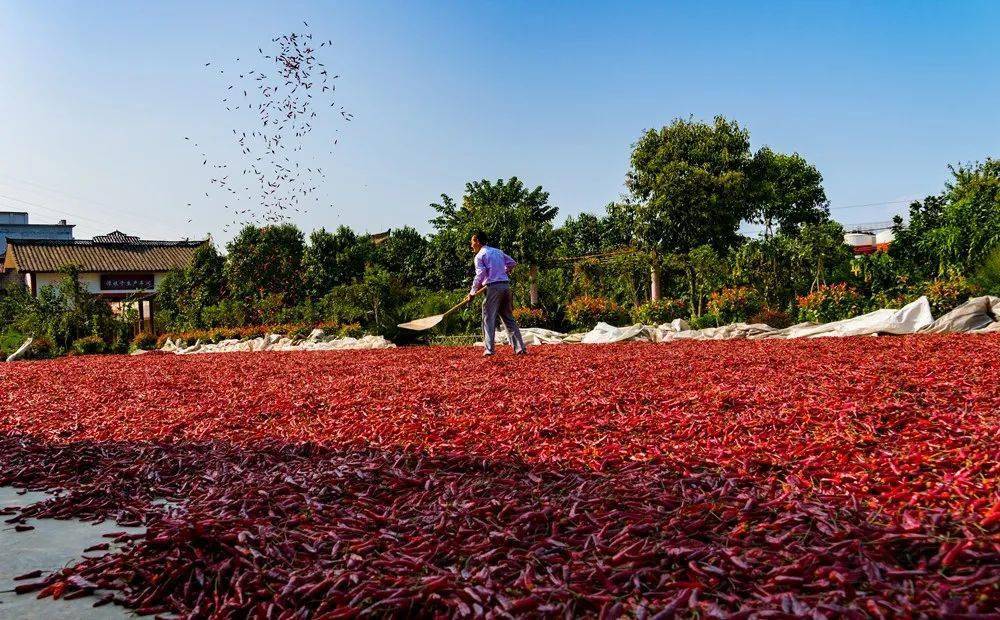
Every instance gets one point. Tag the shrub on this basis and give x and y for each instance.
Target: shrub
(41, 349)
(89, 345)
(828, 303)
(144, 340)
(703, 321)
(659, 312)
(530, 317)
(227, 313)
(429, 303)
(946, 294)
(777, 319)
(351, 330)
(588, 311)
(735, 305)
(884, 299)
(218, 335)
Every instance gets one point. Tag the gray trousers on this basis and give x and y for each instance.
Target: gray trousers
(499, 301)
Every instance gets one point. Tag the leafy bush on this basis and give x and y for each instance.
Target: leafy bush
(889, 300)
(704, 321)
(530, 317)
(659, 312)
(587, 311)
(777, 319)
(144, 340)
(735, 305)
(89, 345)
(11, 341)
(41, 349)
(946, 294)
(227, 313)
(351, 330)
(428, 303)
(828, 303)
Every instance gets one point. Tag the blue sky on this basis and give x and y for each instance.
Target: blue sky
(97, 97)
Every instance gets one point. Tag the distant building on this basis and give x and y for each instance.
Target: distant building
(15, 224)
(870, 238)
(120, 268)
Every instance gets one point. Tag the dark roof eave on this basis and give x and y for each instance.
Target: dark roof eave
(38, 225)
(87, 242)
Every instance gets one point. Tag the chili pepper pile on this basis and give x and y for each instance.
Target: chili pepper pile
(822, 477)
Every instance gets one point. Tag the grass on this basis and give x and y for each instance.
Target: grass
(10, 341)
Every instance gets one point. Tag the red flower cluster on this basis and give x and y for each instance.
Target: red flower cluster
(826, 476)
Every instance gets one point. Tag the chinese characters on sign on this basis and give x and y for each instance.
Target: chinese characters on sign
(126, 282)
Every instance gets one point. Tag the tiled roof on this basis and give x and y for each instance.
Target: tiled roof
(115, 252)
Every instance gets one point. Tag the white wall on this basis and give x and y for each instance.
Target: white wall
(90, 281)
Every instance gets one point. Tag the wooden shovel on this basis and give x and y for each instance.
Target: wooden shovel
(425, 323)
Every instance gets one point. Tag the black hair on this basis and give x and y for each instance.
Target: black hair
(481, 237)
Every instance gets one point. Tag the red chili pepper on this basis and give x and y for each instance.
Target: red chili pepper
(786, 477)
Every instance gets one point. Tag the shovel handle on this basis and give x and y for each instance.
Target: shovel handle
(462, 303)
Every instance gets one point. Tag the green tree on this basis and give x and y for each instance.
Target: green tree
(516, 219)
(787, 192)
(711, 272)
(403, 253)
(183, 296)
(956, 231)
(333, 259)
(823, 251)
(688, 185)
(266, 261)
(446, 258)
(769, 265)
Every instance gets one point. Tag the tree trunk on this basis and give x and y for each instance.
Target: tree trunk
(533, 285)
(693, 290)
(654, 280)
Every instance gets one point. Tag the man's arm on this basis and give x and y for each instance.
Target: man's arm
(508, 263)
(481, 272)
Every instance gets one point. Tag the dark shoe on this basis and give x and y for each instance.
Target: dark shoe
(487, 354)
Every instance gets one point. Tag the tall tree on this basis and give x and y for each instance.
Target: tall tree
(332, 259)
(403, 254)
(787, 192)
(956, 231)
(183, 295)
(688, 185)
(588, 233)
(264, 261)
(515, 218)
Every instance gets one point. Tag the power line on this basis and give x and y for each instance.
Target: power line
(45, 208)
(108, 209)
(872, 204)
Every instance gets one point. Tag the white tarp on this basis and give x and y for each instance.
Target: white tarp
(975, 314)
(275, 342)
(978, 314)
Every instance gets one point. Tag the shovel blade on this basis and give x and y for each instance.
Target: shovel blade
(425, 323)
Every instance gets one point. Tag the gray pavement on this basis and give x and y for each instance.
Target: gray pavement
(50, 546)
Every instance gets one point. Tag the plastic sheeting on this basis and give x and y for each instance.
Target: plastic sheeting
(976, 315)
(276, 342)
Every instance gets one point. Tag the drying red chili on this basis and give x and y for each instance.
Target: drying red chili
(830, 477)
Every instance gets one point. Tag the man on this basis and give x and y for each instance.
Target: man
(492, 270)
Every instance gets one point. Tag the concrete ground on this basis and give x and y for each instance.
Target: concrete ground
(50, 546)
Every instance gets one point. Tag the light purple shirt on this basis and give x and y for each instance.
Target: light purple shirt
(492, 265)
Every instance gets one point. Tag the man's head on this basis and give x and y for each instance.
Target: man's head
(478, 240)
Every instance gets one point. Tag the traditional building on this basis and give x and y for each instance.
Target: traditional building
(120, 268)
